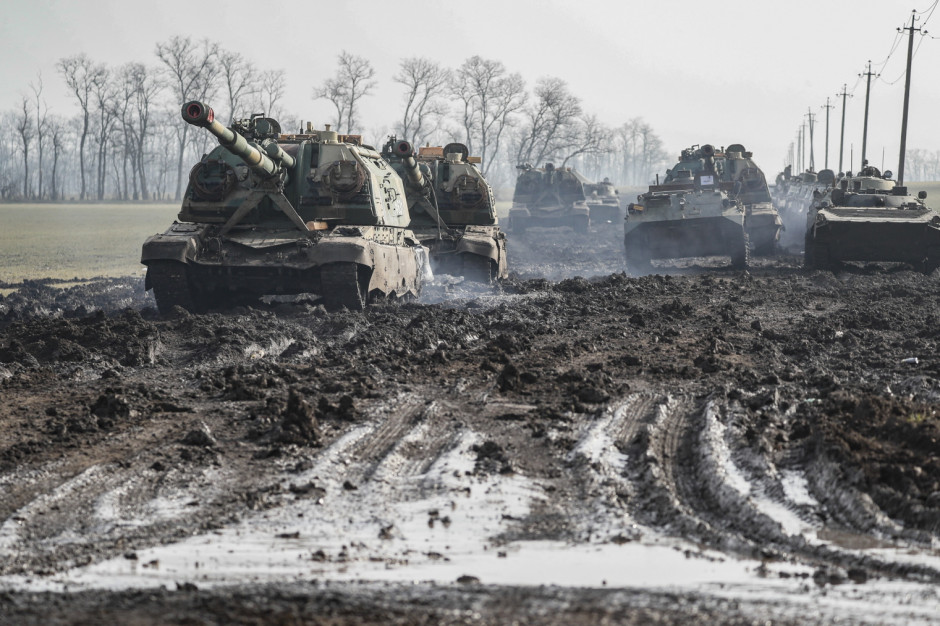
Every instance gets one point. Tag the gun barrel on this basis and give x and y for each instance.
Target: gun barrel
(277, 153)
(406, 152)
(199, 114)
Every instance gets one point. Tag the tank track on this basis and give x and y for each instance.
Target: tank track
(477, 269)
(171, 287)
(741, 253)
(341, 287)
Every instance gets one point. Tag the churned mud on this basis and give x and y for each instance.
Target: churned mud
(571, 446)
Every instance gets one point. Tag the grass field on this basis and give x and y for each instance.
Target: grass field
(75, 241)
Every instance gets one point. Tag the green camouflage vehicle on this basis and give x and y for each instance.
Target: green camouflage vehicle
(270, 213)
(689, 215)
(868, 217)
(453, 212)
(548, 197)
(603, 201)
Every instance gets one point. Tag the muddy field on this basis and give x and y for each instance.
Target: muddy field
(572, 446)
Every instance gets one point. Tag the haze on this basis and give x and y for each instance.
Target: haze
(731, 71)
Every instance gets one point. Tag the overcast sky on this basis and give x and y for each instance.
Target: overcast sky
(726, 71)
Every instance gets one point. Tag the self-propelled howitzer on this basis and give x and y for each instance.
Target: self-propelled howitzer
(270, 213)
(452, 209)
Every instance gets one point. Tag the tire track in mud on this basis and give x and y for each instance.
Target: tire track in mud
(696, 478)
(599, 458)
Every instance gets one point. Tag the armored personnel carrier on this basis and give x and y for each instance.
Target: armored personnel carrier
(743, 181)
(804, 190)
(602, 201)
(688, 215)
(550, 197)
(869, 217)
(452, 209)
(271, 213)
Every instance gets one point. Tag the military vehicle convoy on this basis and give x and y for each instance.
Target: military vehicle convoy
(271, 213)
(549, 197)
(688, 215)
(869, 217)
(453, 212)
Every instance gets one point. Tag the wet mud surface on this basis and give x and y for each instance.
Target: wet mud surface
(571, 446)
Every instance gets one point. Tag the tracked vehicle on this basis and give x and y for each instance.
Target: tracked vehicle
(870, 218)
(453, 212)
(271, 213)
(739, 177)
(688, 215)
(749, 187)
(602, 201)
(548, 197)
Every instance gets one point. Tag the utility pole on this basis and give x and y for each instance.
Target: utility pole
(844, 95)
(799, 150)
(869, 74)
(803, 148)
(812, 119)
(827, 106)
(907, 95)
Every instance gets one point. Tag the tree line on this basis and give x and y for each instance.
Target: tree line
(127, 142)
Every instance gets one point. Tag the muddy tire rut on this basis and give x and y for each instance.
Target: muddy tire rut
(776, 428)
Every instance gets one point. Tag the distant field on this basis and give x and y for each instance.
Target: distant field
(932, 188)
(75, 241)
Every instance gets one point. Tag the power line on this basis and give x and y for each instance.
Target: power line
(893, 82)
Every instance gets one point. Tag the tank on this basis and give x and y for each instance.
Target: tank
(688, 215)
(548, 197)
(743, 181)
(869, 217)
(453, 212)
(267, 213)
(603, 201)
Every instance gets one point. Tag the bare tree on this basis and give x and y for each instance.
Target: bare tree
(590, 137)
(548, 122)
(489, 97)
(106, 95)
(24, 127)
(271, 91)
(42, 121)
(189, 67)
(240, 79)
(143, 86)
(353, 81)
(424, 81)
(57, 132)
(82, 75)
